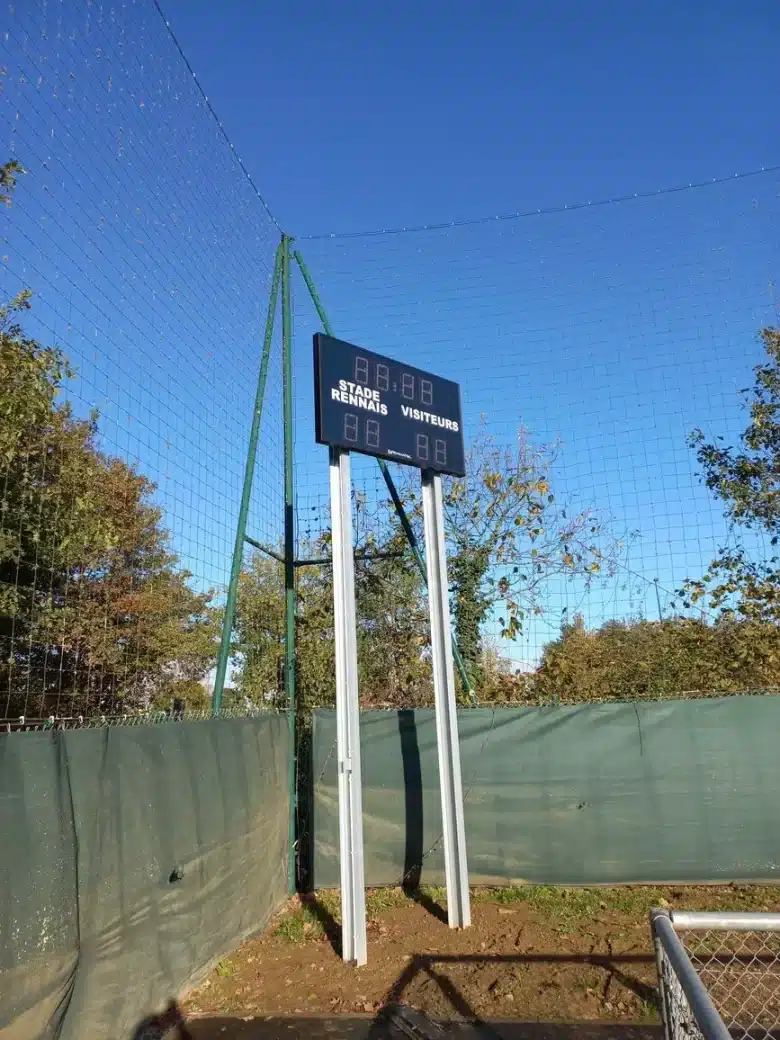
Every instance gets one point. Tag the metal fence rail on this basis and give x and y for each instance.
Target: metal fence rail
(718, 974)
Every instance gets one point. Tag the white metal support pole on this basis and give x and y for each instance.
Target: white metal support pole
(455, 864)
(353, 896)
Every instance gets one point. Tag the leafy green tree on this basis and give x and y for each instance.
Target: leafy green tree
(9, 172)
(747, 481)
(259, 631)
(508, 538)
(391, 628)
(650, 660)
(95, 614)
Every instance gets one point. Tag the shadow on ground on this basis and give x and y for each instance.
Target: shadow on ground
(396, 1020)
(386, 1027)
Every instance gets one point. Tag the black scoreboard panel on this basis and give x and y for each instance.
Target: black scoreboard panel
(369, 403)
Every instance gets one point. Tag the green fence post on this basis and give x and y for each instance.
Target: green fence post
(289, 541)
(246, 494)
(399, 506)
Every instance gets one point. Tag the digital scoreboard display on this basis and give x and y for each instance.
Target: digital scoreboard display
(369, 403)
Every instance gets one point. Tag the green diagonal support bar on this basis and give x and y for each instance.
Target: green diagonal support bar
(399, 506)
(246, 494)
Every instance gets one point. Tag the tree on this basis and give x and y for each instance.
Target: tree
(95, 614)
(652, 660)
(747, 481)
(9, 173)
(391, 627)
(507, 538)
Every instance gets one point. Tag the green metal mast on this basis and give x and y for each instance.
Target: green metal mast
(246, 494)
(289, 540)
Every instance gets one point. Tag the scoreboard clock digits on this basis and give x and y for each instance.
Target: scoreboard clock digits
(412, 387)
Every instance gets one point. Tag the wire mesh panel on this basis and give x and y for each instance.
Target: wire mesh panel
(741, 970)
(734, 960)
(679, 1019)
(591, 345)
(136, 264)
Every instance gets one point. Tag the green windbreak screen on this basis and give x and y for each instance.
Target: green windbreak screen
(675, 791)
(132, 858)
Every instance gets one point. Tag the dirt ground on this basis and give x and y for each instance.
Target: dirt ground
(533, 954)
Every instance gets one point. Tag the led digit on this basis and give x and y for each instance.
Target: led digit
(350, 428)
(372, 433)
(361, 370)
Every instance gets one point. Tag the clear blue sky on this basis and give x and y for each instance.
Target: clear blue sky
(361, 115)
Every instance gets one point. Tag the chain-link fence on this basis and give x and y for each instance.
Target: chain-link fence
(718, 974)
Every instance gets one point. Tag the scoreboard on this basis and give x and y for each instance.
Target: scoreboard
(371, 404)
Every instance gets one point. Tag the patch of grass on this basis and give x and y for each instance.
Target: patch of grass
(329, 900)
(300, 925)
(648, 1012)
(637, 902)
(510, 894)
(379, 900)
(225, 969)
(303, 921)
(573, 903)
(747, 897)
(438, 893)
(550, 900)
(564, 904)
